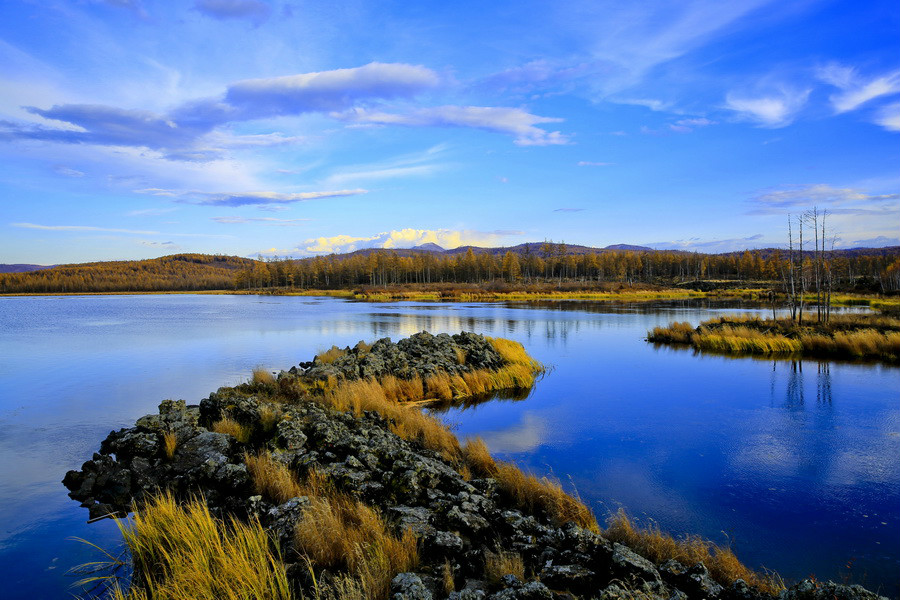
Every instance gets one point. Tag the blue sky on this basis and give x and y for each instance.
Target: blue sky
(134, 128)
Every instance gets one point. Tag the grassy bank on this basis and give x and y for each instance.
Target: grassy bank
(853, 336)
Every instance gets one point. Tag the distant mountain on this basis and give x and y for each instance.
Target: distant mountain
(628, 248)
(429, 247)
(23, 268)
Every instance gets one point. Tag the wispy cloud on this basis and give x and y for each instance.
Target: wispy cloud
(188, 132)
(164, 245)
(689, 125)
(802, 197)
(889, 117)
(264, 220)
(568, 209)
(328, 91)
(855, 89)
(68, 171)
(877, 242)
(253, 10)
(711, 245)
(588, 163)
(149, 212)
(772, 110)
(516, 122)
(247, 198)
(81, 228)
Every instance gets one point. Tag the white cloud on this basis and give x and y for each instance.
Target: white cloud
(588, 163)
(857, 90)
(889, 117)
(712, 246)
(511, 121)
(329, 90)
(802, 197)
(773, 110)
(402, 238)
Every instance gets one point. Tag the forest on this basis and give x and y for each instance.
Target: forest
(180, 272)
(872, 270)
(868, 270)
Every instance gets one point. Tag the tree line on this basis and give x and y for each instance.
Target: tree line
(544, 263)
(547, 263)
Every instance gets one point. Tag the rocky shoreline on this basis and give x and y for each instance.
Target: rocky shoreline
(461, 519)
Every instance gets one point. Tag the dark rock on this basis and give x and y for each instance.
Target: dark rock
(810, 589)
(409, 586)
(573, 578)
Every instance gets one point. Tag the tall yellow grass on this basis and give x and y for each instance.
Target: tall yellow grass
(532, 493)
(855, 336)
(723, 565)
(231, 427)
(330, 355)
(170, 444)
(338, 531)
(500, 563)
(272, 479)
(183, 552)
(262, 377)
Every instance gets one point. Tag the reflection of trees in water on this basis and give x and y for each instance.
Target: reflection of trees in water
(553, 330)
(795, 392)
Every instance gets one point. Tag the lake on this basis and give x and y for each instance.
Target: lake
(796, 465)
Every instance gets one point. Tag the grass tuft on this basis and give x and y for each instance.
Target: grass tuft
(330, 355)
(170, 443)
(337, 531)
(500, 563)
(233, 428)
(184, 552)
(262, 377)
(272, 479)
(543, 494)
(724, 567)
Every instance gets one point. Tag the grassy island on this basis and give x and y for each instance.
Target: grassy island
(850, 336)
(329, 481)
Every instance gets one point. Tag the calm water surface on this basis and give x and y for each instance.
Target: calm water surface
(796, 465)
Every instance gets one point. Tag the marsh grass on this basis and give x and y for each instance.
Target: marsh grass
(724, 567)
(183, 552)
(851, 336)
(545, 495)
(500, 563)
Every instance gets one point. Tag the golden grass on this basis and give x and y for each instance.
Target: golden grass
(500, 563)
(262, 377)
(170, 443)
(460, 355)
(676, 333)
(533, 493)
(233, 428)
(338, 531)
(723, 565)
(479, 459)
(408, 422)
(330, 355)
(183, 552)
(853, 336)
(744, 340)
(269, 416)
(273, 479)
(448, 582)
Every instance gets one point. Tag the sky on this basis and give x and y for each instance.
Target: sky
(134, 128)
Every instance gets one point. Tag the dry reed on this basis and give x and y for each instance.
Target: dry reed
(170, 443)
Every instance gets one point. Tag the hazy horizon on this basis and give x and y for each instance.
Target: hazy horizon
(134, 129)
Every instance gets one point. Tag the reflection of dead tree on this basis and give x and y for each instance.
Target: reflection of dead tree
(823, 384)
(795, 385)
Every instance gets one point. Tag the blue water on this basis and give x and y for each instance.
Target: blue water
(796, 465)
